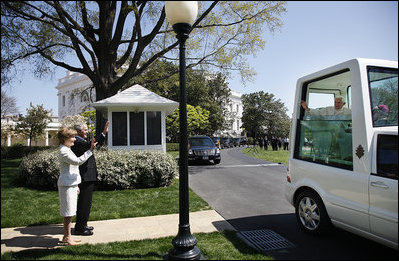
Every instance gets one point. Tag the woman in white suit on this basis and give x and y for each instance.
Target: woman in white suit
(69, 179)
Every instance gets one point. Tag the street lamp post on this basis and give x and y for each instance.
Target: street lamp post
(182, 14)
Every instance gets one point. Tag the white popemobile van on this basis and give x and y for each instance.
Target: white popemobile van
(343, 169)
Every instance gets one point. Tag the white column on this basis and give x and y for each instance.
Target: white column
(46, 138)
(163, 130)
(8, 140)
(27, 142)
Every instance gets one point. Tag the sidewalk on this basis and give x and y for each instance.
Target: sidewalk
(48, 236)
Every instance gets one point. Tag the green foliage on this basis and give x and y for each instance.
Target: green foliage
(265, 116)
(233, 30)
(172, 146)
(25, 207)
(122, 169)
(209, 91)
(219, 245)
(40, 170)
(224, 34)
(276, 156)
(32, 125)
(250, 140)
(197, 122)
(117, 169)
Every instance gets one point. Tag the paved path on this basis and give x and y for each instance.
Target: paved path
(49, 236)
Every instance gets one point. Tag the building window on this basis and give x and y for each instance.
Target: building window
(137, 128)
(63, 100)
(119, 128)
(153, 127)
(140, 123)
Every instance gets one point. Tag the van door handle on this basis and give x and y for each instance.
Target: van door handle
(379, 184)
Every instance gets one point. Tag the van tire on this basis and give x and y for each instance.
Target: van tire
(311, 213)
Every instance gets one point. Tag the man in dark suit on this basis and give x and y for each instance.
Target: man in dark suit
(88, 173)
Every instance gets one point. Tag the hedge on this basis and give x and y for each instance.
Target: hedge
(117, 169)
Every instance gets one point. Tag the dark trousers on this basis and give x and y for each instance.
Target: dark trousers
(84, 204)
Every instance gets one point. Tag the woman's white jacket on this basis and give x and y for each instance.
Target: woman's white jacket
(69, 166)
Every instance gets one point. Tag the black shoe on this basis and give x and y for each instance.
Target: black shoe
(85, 232)
(89, 228)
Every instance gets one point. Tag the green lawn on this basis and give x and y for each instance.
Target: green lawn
(23, 206)
(277, 156)
(213, 246)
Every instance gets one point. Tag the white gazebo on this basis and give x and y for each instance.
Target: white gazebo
(137, 119)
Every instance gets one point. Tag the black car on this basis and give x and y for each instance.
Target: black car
(202, 148)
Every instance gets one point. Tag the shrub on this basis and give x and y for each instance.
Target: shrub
(40, 170)
(250, 140)
(124, 169)
(117, 169)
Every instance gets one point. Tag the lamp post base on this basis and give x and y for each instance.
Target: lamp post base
(184, 246)
(183, 254)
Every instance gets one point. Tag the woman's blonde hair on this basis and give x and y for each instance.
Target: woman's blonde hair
(65, 133)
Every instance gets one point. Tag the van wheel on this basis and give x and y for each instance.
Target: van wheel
(216, 161)
(311, 214)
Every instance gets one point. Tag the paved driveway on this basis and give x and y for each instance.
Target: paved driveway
(249, 194)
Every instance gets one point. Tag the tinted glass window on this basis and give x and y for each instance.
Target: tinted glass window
(383, 83)
(324, 133)
(137, 128)
(387, 156)
(153, 127)
(201, 142)
(119, 128)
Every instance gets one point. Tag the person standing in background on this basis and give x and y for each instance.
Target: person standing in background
(69, 179)
(88, 173)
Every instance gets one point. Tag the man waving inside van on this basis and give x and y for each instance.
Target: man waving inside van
(337, 109)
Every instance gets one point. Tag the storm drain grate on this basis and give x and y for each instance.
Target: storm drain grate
(265, 240)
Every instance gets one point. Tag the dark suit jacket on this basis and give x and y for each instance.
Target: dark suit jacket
(88, 170)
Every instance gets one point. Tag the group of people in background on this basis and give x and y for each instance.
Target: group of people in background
(274, 142)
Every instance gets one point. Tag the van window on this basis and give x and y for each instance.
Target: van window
(383, 84)
(387, 156)
(324, 133)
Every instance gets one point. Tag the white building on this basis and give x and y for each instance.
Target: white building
(8, 138)
(75, 95)
(235, 109)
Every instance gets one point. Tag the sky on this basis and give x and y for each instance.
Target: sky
(315, 35)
